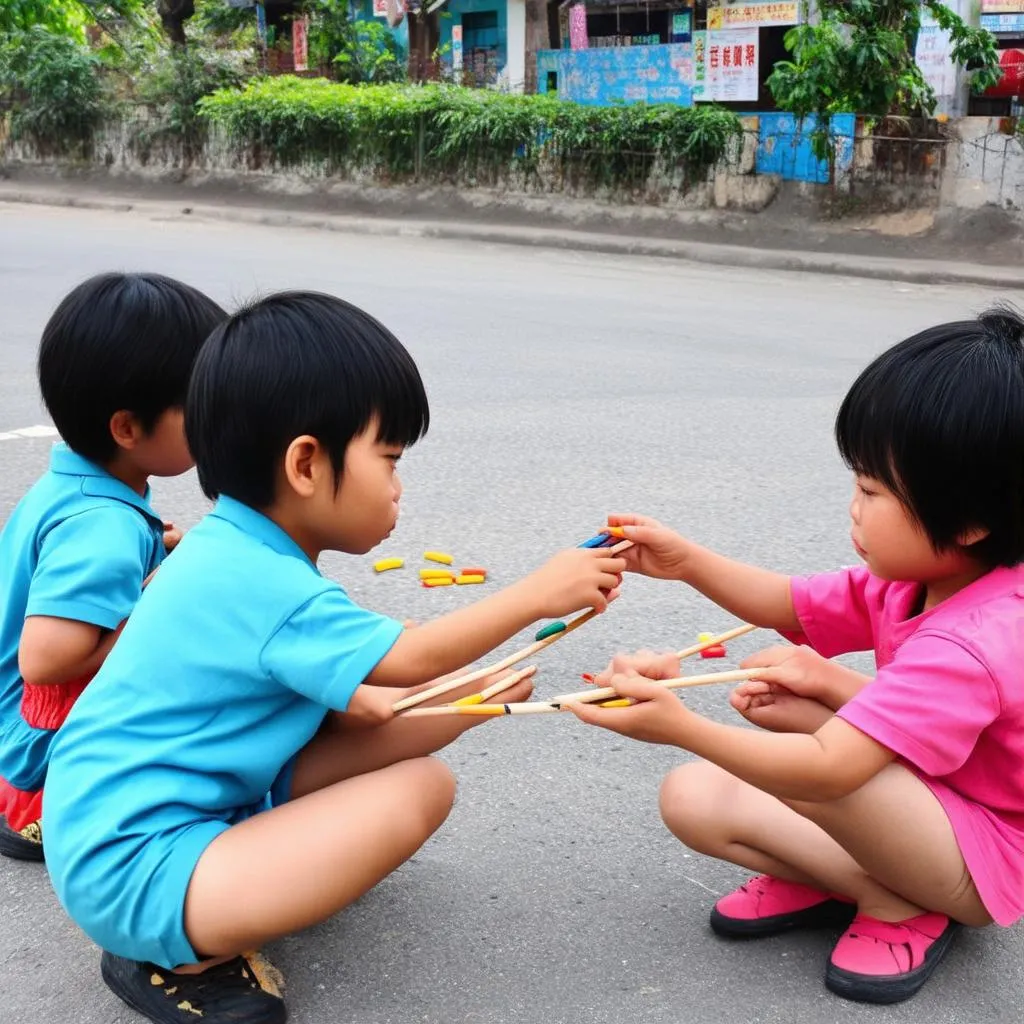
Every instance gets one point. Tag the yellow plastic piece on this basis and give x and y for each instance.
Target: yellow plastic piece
(470, 579)
(622, 702)
(438, 556)
(388, 563)
(439, 581)
(434, 574)
(703, 638)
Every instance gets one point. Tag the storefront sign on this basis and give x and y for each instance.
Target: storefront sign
(1002, 6)
(731, 66)
(757, 12)
(934, 57)
(1003, 23)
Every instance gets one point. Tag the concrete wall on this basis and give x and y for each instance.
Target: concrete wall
(986, 167)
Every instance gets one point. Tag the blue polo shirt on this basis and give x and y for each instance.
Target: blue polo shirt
(223, 674)
(77, 546)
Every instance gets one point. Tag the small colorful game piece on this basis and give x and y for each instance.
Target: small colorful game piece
(551, 629)
(704, 637)
(594, 542)
(436, 574)
(388, 563)
(469, 578)
(718, 651)
(473, 572)
(438, 581)
(438, 556)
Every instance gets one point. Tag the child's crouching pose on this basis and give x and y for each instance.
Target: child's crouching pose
(893, 805)
(204, 795)
(114, 364)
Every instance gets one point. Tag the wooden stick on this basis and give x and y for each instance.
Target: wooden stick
(586, 697)
(499, 687)
(688, 652)
(512, 659)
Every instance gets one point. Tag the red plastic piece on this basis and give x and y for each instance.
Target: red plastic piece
(718, 651)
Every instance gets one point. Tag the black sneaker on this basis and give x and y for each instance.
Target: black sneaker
(24, 845)
(230, 993)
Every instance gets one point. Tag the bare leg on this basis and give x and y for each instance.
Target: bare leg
(889, 846)
(298, 864)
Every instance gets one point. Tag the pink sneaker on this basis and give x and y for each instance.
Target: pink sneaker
(766, 905)
(887, 962)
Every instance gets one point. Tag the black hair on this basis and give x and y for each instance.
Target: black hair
(120, 342)
(939, 420)
(289, 364)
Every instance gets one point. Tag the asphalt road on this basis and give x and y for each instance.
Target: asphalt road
(563, 386)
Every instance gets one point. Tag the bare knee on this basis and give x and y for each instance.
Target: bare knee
(432, 786)
(693, 800)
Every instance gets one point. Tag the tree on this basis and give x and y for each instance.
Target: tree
(173, 15)
(859, 59)
(538, 37)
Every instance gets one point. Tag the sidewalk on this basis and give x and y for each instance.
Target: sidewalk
(240, 209)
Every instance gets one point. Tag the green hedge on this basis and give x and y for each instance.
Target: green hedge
(397, 131)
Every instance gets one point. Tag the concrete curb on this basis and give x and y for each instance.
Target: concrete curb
(921, 271)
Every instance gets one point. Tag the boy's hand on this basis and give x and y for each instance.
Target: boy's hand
(369, 706)
(575, 579)
(659, 717)
(658, 552)
(773, 707)
(171, 537)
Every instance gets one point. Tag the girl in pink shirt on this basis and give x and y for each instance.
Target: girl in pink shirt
(893, 805)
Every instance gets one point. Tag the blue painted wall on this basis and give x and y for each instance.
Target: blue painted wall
(784, 147)
(451, 15)
(605, 76)
(362, 10)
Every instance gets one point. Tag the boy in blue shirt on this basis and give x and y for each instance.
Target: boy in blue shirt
(114, 364)
(231, 719)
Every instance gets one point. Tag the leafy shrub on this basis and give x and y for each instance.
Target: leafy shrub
(53, 85)
(396, 131)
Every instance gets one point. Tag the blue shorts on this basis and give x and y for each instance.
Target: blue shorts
(134, 905)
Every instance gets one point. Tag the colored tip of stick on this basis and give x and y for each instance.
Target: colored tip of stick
(594, 542)
(620, 702)
(551, 629)
(483, 709)
(465, 702)
(587, 677)
(616, 531)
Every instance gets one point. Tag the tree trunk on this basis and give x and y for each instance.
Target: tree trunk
(424, 38)
(173, 15)
(538, 37)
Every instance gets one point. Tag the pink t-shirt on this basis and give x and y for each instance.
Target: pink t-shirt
(948, 699)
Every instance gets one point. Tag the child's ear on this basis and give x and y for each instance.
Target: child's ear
(126, 430)
(972, 536)
(303, 465)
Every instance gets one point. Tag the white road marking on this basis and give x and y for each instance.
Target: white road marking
(39, 430)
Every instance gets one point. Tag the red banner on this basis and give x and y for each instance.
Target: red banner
(1012, 82)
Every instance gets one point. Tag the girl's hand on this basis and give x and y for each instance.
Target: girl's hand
(773, 707)
(658, 717)
(369, 706)
(658, 552)
(575, 579)
(806, 673)
(643, 663)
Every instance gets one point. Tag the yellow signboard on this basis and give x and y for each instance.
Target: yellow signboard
(764, 13)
